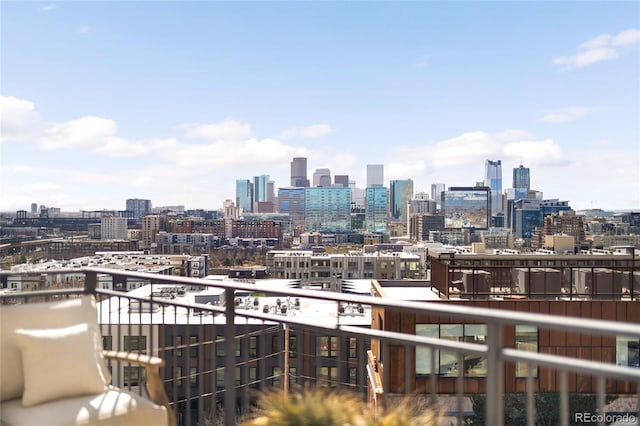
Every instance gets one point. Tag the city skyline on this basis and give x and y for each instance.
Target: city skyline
(97, 108)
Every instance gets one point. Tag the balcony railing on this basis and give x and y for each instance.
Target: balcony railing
(236, 338)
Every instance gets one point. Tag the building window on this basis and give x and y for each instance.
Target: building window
(236, 344)
(353, 375)
(219, 345)
(220, 378)
(275, 343)
(327, 346)
(135, 343)
(106, 343)
(193, 343)
(276, 373)
(628, 351)
(177, 375)
(293, 348)
(327, 376)
(193, 376)
(253, 347)
(526, 340)
(178, 346)
(353, 347)
(133, 376)
(446, 363)
(253, 375)
(293, 375)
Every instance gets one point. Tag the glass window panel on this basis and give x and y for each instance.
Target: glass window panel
(219, 345)
(628, 351)
(526, 340)
(423, 353)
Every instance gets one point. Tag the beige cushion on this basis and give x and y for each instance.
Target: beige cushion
(56, 314)
(60, 363)
(112, 408)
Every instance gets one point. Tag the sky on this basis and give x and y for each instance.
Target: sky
(174, 101)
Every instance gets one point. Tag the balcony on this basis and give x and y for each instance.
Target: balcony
(224, 341)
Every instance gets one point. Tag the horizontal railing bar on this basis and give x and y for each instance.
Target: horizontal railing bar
(41, 293)
(576, 365)
(602, 327)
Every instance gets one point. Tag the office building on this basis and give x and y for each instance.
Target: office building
(467, 207)
(341, 180)
(150, 228)
(113, 228)
(375, 175)
(139, 207)
(436, 193)
(493, 179)
(244, 195)
(521, 178)
(291, 201)
(401, 192)
(322, 177)
(299, 172)
(260, 188)
(327, 209)
(376, 207)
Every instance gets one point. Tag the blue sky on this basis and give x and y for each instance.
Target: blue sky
(174, 101)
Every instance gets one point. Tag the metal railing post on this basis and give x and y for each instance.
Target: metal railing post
(495, 373)
(229, 359)
(90, 282)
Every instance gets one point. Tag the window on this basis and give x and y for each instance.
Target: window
(353, 375)
(526, 340)
(133, 376)
(353, 347)
(293, 346)
(446, 363)
(220, 377)
(327, 346)
(193, 376)
(276, 373)
(327, 376)
(219, 345)
(177, 375)
(293, 375)
(253, 347)
(135, 343)
(178, 346)
(106, 343)
(253, 374)
(275, 343)
(236, 344)
(628, 351)
(193, 343)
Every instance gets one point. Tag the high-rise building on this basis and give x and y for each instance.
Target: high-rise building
(291, 201)
(139, 207)
(436, 193)
(521, 178)
(299, 172)
(271, 191)
(150, 228)
(34, 208)
(244, 195)
(113, 228)
(467, 207)
(260, 188)
(327, 209)
(322, 177)
(375, 175)
(342, 180)
(401, 192)
(376, 202)
(493, 179)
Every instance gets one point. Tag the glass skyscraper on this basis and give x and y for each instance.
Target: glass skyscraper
(291, 201)
(376, 199)
(260, 188)
(521, 178)
(401, 192)
(244, 195)
(327, 209)
(493, 179)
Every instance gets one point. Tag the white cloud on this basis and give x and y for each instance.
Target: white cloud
(83, 29)
(85, 132)
(565, 114)
(309, 132)
(468, 148)
(47, 8)
(601, 48)
(40, 187)
(222, 153)
(19, 119)
(535, 152)
(228, 130)
(401, 170)
(120, 147)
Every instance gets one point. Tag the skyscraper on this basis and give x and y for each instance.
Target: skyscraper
(436, 193)
(299, 172)
(376, 200)
(322, 177)
(342, 180)
(375, 175)
(244, 195)
(521, 178)
(139, 207)
(401, 192)
(327, 209)
(493, 179)
(260, 188)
